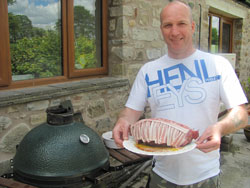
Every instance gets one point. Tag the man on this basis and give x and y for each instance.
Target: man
(186, 86)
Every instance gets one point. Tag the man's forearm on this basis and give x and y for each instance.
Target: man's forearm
(234, 120)
(130, 115)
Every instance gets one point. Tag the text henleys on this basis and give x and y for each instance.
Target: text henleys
(179, 83)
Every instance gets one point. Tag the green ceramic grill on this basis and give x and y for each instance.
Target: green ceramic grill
(62, 151)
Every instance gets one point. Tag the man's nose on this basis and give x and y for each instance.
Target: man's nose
(175, 30)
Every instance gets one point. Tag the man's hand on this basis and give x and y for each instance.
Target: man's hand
(210, 140)
(121, 129)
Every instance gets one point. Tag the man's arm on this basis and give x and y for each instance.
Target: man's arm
(235, 119)
(121, 130)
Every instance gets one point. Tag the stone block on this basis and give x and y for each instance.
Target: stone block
(38, 105)
(153, 53)
(128, 10)
(144, 35)
(117, 2)
(12, 109)
(112, 25)
(227, 139)
(122, 27)
(4, 123)
(126, 53)
(103, 125)
(13, 137)
(96, 108)
(132, 23)
(156, 23)
(118, 69)
(115, 11)
(117, 102)
(37, 119)
(225, 147)
(226, 143)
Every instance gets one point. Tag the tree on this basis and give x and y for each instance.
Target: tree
(85, 47)
(33, 50)
(40, 56)
(11, 2)
(84, 22)
(13, 27)
(38, 52)
(215, 36)
(20, 26)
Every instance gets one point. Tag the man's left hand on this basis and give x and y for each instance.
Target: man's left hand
(210, 140)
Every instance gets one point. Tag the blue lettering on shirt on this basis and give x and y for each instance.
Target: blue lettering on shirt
(181, 84)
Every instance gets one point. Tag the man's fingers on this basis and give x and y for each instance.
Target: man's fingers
(117, 138)
(203, 138)
(207, 146)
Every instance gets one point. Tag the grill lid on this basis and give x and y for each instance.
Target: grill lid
(62, 147)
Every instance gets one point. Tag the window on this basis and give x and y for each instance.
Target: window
(48, 41)
(220, 34)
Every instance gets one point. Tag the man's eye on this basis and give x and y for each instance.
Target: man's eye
(167, 25)
(182, 23)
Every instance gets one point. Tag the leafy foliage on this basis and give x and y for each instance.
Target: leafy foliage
(85, 51)
(85, 48)
(40, 56)
(215, 37)
(84, 22)
(38, 52)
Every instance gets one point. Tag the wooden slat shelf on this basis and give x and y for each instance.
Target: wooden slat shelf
(125, 156)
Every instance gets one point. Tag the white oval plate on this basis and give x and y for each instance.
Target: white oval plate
(131, 146)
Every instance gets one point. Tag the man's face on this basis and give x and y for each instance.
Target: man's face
(177, 30)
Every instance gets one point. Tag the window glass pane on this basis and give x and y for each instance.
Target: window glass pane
(215, 34)
(87, 34)
(226, 38)
(35, 38)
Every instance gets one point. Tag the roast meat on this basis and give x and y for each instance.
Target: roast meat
(158, 131)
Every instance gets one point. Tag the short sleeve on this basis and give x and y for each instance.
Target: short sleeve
(138, 95)
(231, 91)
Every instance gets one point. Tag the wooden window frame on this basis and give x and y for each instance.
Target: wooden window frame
(91, 71)
(223, 19)
(5, 66)
(69, 72)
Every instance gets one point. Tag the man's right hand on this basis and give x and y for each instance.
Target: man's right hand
(121, 129)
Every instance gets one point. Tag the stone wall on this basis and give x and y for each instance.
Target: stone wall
(244, 55)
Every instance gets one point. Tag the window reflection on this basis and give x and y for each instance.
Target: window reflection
(215, 34)
(87, 33)
(35, 38)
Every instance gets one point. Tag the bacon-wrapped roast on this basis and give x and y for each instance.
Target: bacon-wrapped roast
(162, 132)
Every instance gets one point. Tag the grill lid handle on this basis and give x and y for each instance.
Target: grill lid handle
(61, 114)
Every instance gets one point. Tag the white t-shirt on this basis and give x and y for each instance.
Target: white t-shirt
(188, 91)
